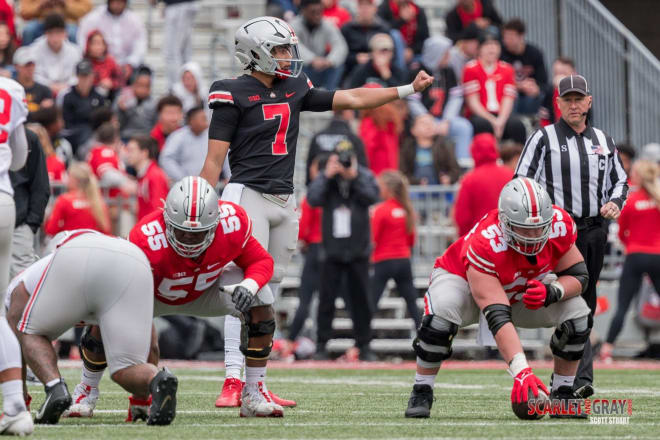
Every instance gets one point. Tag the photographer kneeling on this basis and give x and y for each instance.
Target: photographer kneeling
(344, 190)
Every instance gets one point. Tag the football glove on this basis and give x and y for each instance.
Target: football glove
(540, 295)
(242, 294)
(523, 382)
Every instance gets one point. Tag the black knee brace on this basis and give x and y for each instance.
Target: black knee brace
(433, 341)
(568, 340)
(92, 345)
(254, 330)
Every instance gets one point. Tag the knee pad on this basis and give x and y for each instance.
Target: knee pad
(254, 330)
(433, 342)
(92, 345)
(569, 338)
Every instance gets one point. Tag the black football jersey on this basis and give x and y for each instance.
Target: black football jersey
(261, 124)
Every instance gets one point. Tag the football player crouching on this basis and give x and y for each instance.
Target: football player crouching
(497, 269)
(190, 245)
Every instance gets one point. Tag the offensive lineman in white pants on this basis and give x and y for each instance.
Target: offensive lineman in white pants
(115, 290)
(15, 418)
(257, 114)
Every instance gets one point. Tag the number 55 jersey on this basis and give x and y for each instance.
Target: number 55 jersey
(261, 125)
(485, 250)
(180, 280)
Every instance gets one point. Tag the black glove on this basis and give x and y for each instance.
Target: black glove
(242, 298)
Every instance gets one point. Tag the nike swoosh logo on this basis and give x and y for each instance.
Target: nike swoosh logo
(289, 95)
(211, 266)
(167, 399)
(40, 414)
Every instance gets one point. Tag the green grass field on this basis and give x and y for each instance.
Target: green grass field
(345, 404)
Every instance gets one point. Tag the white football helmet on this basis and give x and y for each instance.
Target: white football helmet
(256, 39)
(526, 205)
(191, 206)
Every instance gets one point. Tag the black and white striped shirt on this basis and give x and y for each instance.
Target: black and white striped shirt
(581, 172)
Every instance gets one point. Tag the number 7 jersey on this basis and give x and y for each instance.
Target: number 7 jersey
(179, 280)
(261, 124)
(484, 249)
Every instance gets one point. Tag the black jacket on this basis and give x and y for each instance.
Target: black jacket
(455, 25)
(357, 39)
(31, 188)
(326, 140)
(77, 111)
(367, 73)
(357, 195)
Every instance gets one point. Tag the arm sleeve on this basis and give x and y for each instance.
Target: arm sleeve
(377, 223)
(157, 193)
(471, 84)
(39, 186)
(477, 258)
(318, 100)
(454, 25)
(365, 188)
(317, 190)
(256, 263)
(19, 148)
(624, 223)
(462, 209)
(422, 32)
(52, 225)
(169, 159)
(339, 50)
(616, 179)
(139, 51)
(224, 122)
(532, 158)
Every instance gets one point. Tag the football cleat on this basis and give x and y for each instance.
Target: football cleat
(230, 397)
(84, 401)
(57, 401)
(256, 402)
(138, 409)
(420, 402)
(282, 402)
(163, 393)
(21, 424)
(568, 397)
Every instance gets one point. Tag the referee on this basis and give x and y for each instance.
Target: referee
(580, 168)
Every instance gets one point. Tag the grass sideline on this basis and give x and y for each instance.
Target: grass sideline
(349, 404)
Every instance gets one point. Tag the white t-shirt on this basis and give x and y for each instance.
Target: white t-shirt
(13, 113)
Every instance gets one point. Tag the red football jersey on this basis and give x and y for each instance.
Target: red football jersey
(491, 86)
(484, 249)
(179, 280)
(151, 191)
(100, 159)
(72, 211)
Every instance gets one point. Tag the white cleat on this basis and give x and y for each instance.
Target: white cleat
(84, 401)
(21, 424)
(256, 402)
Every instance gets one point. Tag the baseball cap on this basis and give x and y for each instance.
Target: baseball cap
(84, 67)
(23, 56)
(381, 41)
(573, 83)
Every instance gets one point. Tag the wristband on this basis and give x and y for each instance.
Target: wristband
(250, 285)
(406, 90)
(517, 364)
(555, 293)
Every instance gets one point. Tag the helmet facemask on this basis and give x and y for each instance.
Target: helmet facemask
(176, 237)
(526, 244)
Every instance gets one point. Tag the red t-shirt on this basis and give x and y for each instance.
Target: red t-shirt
(338, 15)
(468, 17)
(101, 158)
(72, 211)
(56, 169)
(492, 86)
(389, 232)
(152, 190)
(639, 224)
(180, 280)
(310, 223)
(485, 250)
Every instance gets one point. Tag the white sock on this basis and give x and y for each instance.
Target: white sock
(559, 381)
(91, 378)
(53, 382)
(425, 379)
(12, 397)
(234, 359)
(254, 375)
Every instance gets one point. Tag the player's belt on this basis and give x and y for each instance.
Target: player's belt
(278, 199)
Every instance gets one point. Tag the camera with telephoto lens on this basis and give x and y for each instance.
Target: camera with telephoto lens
(346, 158)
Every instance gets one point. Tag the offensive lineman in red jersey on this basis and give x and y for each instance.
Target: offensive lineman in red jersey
(255, 118)
(501, 268)
(190, 246)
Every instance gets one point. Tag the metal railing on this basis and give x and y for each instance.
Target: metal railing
(621, 71)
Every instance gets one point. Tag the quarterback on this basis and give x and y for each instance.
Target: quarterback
(256, 118)
(501, 268)
(205, 262)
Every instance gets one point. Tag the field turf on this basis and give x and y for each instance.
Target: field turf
(363, 403)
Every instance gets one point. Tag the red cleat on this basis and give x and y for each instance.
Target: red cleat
(282, 402)
(231, 394)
